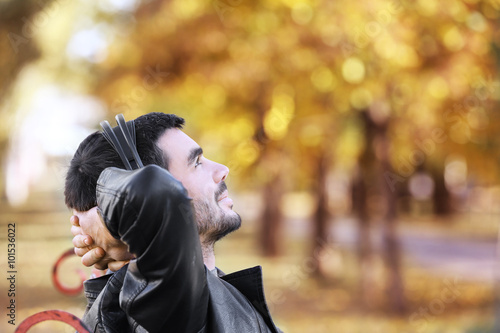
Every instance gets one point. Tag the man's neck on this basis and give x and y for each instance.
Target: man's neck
(208, 255)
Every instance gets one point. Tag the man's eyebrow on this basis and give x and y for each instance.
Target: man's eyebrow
(193, 155)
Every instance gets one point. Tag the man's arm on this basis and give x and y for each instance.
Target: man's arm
(165, 287)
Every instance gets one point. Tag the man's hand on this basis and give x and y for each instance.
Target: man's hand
(94, 243)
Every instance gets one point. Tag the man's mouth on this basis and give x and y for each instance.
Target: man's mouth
(221, 192)
(224, 200)
(222, 196)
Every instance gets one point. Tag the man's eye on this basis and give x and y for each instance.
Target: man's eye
(198, 162)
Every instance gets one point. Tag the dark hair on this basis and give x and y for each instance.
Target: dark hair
(95, 154)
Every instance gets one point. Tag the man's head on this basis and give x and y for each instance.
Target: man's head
(95, 154)
(159, 141)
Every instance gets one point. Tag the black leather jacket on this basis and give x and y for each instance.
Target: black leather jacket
(167, 288)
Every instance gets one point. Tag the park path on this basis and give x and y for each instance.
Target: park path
(473, 259)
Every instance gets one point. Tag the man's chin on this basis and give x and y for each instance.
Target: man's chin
(232, 222)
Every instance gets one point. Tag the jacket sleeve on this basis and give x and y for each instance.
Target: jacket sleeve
(165, 288)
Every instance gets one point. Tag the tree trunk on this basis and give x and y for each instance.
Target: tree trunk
(392, 249)
(441, 196)
(365, 255)
(321, 216)
(271, 217)
(377, 141)
(362, 177)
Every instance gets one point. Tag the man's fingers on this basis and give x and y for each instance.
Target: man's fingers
(74, 221)
(82, 241)
(101, 266)
(116, 265)
(93, 256)
(76, 231)
(81, 251)
(82, 244)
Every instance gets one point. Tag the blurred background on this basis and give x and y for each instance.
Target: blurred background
(361, 138)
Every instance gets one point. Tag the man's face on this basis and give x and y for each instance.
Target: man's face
(204, 181)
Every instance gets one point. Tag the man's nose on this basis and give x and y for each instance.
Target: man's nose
(220, 173)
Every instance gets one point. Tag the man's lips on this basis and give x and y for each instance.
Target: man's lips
(224, 199)
(222, 196)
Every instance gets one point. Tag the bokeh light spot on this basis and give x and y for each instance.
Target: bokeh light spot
(438, 88)
(302, 13)
(453, 39)
(361, 98)
(323, 79)
(353, 70)
(476, 22)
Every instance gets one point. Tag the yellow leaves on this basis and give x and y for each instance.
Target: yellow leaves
(460, 132)
(453, 39)
(385, 47)
(479, 45)
(491, 10)
(215, 41)
(124, 53)
(438, 88)
(266, 22)
(349, 146)
(193, 84)
(246, 153)
(406, 56)
(331, 34)
(400, 54)
(304, 59)
(302, 13)
(476, 22)
(427, 7)
(361, 98)
(311, 135)
(428, 46)
(292, 3)
(421, 115)
(241, 129)
(323, 79)
(240, 49)
(278, 118)
(228, 140)
(418, 57)
(403, 91)
(186, 9)
(353, 70)
(495, 90)
(457, 10)
(214, 96)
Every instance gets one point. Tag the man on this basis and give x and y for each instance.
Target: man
(172, 283)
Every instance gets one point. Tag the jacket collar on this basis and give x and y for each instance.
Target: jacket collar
(249, 282)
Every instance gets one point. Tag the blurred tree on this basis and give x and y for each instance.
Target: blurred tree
(361, 187)
(294, 78)
(272, 161)
(416, 67)
(18, 49)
